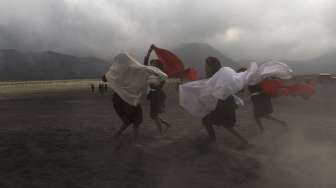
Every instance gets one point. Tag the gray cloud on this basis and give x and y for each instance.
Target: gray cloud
(259, 29)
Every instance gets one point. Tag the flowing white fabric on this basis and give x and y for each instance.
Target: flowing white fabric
(200, 97)
(129, 78)
(238, 101)
(272, 69)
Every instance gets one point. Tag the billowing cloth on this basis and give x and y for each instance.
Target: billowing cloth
(271, 69)
(275, 88)
(186, 74)
(238, 101)
(129, 78)
(304, 90)
(200, 97)
(173, 66)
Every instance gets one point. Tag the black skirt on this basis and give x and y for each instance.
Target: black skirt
(157, 99)
(223, 115)
(128, 114)
(262, 105)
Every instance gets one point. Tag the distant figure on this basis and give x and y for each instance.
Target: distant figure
(101, 89)
(105, 88)
(92, 88)
(157, 98)
(225, 112)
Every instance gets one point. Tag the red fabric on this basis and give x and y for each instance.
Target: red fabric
(173, 66)
(277, 88)
(188, 74)
(274, 87)
(304, 90)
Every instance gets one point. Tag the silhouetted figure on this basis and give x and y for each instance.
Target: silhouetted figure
(92, 88)
(105, 88)
(101, 89)
(225, 112)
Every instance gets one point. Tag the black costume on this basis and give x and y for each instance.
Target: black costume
(262, 104)
(157, 99)
(223, 115)
(128, 114)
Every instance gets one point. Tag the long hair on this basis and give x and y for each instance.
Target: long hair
(212, 65)
(242, 69)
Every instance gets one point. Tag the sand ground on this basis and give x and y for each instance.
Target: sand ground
(63, 138)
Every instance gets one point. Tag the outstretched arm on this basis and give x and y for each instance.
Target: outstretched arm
(148, 54)
(150, 70)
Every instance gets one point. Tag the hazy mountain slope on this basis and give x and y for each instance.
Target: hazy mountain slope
(16, 65)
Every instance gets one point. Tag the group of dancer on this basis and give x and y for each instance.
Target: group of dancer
(224, 113)
(129, 79)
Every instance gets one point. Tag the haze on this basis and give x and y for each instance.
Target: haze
(241, 29)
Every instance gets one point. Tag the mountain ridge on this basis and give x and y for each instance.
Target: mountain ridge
(48, 65)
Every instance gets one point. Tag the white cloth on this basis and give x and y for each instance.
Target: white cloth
(271, 69)
(129, 78)
(200, 97)
(238, 101)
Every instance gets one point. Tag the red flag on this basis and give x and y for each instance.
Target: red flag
(188, 74)
(173, 66)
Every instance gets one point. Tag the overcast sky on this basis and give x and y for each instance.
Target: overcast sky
(241, 29)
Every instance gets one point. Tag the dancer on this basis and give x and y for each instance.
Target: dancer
(262, 105)
(157, 97)
(128, 80)
(225, 112)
